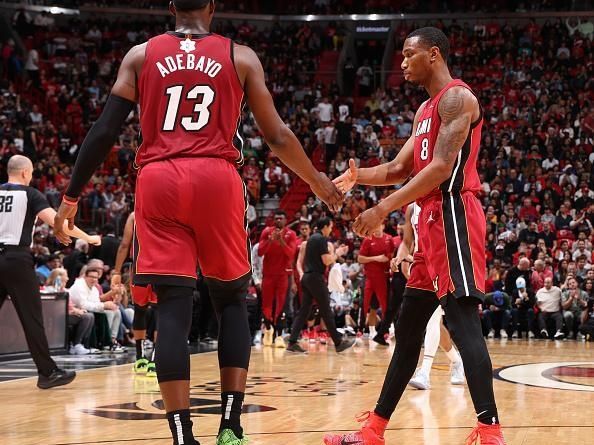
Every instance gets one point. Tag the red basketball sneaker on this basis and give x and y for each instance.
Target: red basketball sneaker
(488, 434)
(371, 433)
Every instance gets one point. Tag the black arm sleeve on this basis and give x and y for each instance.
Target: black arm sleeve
(98, 142)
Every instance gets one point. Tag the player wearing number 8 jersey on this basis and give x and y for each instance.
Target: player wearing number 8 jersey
(190, 201)
(449, 266)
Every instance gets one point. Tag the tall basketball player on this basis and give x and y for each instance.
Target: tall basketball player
(442, 154)
(190, 209)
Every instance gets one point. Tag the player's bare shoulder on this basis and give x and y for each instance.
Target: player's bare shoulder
(457, 102)
(246, 60)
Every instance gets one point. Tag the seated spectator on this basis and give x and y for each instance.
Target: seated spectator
(573, 301)
(498, 313)
(85, 295)
(548, 300)
(44, 270)
(80, 321)
(587, 326)
(522, 309)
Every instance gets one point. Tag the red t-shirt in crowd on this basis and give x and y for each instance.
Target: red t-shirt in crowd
(374, 246)
(278, 256)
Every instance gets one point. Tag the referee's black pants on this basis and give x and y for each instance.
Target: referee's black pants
(314, 287)
(18, 279)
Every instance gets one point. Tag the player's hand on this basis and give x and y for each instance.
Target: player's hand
(66, 212)
(327, 192)
(94, 240)
(348, 179)
(368, 222)
(382, 258)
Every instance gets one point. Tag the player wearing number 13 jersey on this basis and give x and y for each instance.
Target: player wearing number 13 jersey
(190, 201)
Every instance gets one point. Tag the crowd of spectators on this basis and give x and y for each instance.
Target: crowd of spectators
(339, 6)
(534, 81)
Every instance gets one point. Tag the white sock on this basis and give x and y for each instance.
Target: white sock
(427, 363)
(372, 331)
(454, 355)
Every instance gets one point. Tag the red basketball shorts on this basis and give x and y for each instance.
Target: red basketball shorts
(451, 247)
(378, 286)
(190, 213)
(143, 295)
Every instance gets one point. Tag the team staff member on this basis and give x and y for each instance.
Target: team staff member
(190, 206)
(375, 255)
(314, 287)
(142, 297)
(20, 206)
(278, 245)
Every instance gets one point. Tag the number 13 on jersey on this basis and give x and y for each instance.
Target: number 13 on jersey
(201, 95)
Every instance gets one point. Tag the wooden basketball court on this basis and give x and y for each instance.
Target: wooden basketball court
(545, 392)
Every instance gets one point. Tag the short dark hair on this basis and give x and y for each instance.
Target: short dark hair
(432, 36)
(280, 212)
(323, 222)
(190, 5)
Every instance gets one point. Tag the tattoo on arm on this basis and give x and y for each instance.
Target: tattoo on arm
(455, 109)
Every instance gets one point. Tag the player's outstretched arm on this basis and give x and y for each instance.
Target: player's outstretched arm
(391, 173)
(457, 108)
(278, 136)
(48, 215)
(102, 134)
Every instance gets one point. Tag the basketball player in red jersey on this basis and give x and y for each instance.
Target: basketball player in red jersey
(442, 154)
(142, 297)
(190, 200)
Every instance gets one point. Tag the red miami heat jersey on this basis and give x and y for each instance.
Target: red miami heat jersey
(190, 99)
(464, 177)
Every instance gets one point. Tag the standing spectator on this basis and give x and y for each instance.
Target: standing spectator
(498, 312)
(325, 111)
(548, 300)
(365, 75)
(539, 274)
(573, 301)
(278, 245)
(117, 211)
(521, 270)
(32, 67)
(273, 178)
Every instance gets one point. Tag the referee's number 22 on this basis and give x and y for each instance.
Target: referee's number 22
(201, 95)
(6, 204)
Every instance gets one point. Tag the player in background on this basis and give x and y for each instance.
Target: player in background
(142, 297)
(436, 333)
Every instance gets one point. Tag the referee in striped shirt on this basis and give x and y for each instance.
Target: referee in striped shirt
(20, 206)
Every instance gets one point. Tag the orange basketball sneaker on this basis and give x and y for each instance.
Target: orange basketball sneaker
(488, 434)
(371, 433)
